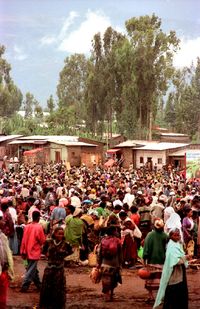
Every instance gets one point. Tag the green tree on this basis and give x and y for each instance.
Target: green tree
(38, 111)
(29, 104)
(102, 85)
(10, 96)
(195, 83)
(72, 83)
(50, 104)
(152, 63)
(170, 112)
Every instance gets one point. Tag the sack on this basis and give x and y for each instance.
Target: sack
(95, 275)
(109, 247)
(103, 222)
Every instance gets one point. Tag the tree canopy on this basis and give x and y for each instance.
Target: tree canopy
(10, 96)
(126, 84)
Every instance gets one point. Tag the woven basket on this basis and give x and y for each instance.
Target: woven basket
(92, 259)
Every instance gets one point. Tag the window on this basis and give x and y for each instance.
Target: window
(73, 153)
(159, 160)
(141, 160)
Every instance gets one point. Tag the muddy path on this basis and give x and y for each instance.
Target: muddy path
(82, 293)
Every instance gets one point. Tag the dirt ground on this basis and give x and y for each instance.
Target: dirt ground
(82, 293)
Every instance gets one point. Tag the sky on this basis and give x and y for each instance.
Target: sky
(40, 34)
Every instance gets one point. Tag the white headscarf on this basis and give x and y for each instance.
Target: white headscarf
(173, 222)
(168, 212)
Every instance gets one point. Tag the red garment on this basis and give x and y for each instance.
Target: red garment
(32, 241)
(135, 218)
(129, 249)
(3, 289)
(8, 228)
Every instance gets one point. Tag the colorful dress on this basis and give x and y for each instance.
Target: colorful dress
(53, 290)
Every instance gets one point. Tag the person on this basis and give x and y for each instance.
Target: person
(74, 234)
(129, 197)
(35, 207)
(8, 227)
(188, 225)
(109, 259)
(144, 211)
(33, 239)
(173, 284)
(6, 264)
(53, 289)
(154, 253)
(135, 217)
(58, 215)
(157, 210)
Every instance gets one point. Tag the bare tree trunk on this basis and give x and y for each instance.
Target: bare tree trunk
(150, 125)
(140, 121)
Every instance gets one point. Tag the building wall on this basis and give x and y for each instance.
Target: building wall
(74, 155)
(99, 146)
(90, 156)
(158, 157)
(58, 151)
(127, 154)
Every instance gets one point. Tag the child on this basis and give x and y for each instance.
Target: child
(53, 290)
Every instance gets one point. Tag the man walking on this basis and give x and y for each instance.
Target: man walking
(32, 241)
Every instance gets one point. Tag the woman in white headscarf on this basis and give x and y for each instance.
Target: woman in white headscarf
(173, 291)
(174, 221)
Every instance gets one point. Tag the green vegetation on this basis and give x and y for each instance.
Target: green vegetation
(122, 87)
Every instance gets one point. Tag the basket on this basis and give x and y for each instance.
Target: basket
(92, 259)
(95, 275)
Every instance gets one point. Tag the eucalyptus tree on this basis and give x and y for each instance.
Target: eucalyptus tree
(152, 63)
(50, 104)
(71, 85)
(10, 95)
(102, 83)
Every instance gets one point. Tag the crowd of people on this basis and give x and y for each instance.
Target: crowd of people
(122, 215)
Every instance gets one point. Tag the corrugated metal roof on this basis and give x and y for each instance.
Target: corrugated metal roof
(173, 134)
(41, 139)
(126, 144)
(161, 146)
(133, 143)
(17, 142)
(182, 152)
(4, 138)
(65, 138)
(72, 143)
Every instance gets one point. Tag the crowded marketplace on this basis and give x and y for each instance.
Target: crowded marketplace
(105, 219)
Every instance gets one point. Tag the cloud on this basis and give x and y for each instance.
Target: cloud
(68, 22)
(49, 39)
(188, 53)
(19, 54)
(79, 40)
